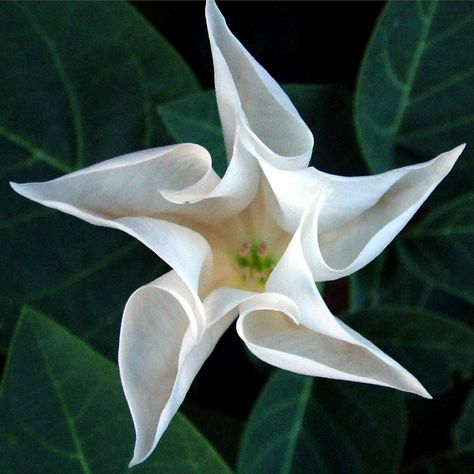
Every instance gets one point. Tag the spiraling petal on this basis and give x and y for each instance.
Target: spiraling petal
(249, 98)
(172, 180)
(132, 185)
(223, 302)
(359, 217)
(269, 326)
(309, 339)
(160, 353)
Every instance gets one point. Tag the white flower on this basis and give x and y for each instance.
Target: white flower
(250, 245)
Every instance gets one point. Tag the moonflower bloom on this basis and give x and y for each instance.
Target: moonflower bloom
(250, 245)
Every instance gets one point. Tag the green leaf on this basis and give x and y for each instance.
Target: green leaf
(83, 89)
(306, 425)
(434, 348)
(440, 249)
(222, 430)
(389, 281)
(62, 410)
(326, 110)
(415, 94)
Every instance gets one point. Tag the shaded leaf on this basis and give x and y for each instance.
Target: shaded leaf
(80, 83)
(415, 94)
(62, 409)
(440, 249)
(306, 425)
(388, 281)
(434, 348)
(222, 430)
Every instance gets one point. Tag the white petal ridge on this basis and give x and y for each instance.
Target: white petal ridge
(250, 99)
(273, 333)
(160, 353)
(308, 339)
(358, 217)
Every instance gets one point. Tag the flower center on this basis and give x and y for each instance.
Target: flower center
(253, 264)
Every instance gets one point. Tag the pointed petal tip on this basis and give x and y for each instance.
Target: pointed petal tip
(424, 393)
(15, 186)
(457, 150)
(417, 389)
(135, 460)
(26, 190)
(20, 188)
(445, 162)
(140, 454)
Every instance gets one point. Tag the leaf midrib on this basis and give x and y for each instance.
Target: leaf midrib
(66, 82)
(296, 428)
(413, 69)
(36, 152)
(62, 401)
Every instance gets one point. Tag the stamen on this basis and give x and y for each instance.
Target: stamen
(254, 264)
(244, 249)
(262, 249)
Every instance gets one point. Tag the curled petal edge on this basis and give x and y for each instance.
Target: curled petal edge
(270, 329)
(160, 352)
(247, 96)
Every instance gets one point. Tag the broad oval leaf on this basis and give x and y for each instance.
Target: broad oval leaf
(435, 348)
(440, 249)
(62, 409)
(80, 83)
(306, 425)
(389, 281)
(415, 94)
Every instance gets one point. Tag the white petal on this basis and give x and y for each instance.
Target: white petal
(131, 185)
(160, 354)
(359, 217)
(132, 193)
(172, 242)
(269, 326)
(328, 347)
(175, 179)
(222, 301)
(247, 96)
(234, 192)
(292, 278)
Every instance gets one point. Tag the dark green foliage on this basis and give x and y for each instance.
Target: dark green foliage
(62, 407)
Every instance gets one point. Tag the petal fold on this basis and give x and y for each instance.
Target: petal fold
(250, 99)
(358, 217)
(160, 353)
(270, 329)
(143, 193)
(308, 339)
(131, 185)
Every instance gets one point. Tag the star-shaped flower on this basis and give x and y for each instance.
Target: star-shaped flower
(250, 245)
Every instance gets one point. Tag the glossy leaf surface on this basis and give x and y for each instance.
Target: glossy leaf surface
(62, 409)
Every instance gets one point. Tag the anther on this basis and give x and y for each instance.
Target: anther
(244, 249)
(262, 249)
